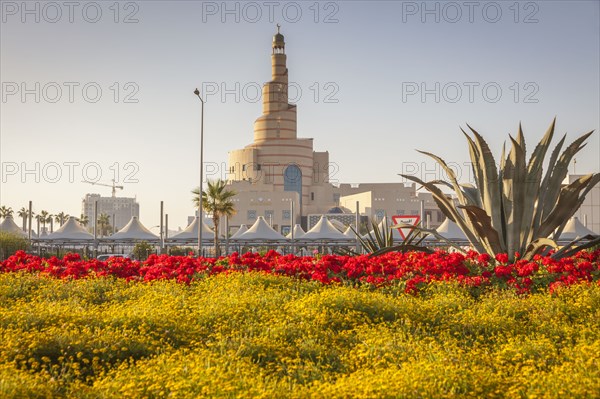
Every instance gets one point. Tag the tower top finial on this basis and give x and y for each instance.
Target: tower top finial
(278, 40)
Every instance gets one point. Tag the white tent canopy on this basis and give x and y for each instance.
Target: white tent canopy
(71, 231)
(133, 231)
(243, 228)
(349, 232)
(8, 225)
(450, 230)
(298, 232)
(260, 231)
(190, 233)
(574, 229)
(324, 231)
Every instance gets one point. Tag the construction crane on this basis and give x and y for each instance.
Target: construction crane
(114, 187)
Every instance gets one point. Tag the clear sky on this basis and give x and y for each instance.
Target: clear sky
(104, 90)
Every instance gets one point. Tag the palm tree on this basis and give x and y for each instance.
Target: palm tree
(83, 220)
(5, 212)
(50, 219)
(24, 214)
(61, 217)
(104, 224)
(217, 202)
(43, 218)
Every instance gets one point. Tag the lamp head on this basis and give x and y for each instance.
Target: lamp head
(197, 92)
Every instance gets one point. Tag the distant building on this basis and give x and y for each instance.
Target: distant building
(278, 168)
(119, 209)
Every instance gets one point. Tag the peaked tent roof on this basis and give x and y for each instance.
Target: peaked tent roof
(349, 233)
(133, 231)
(190, 233)
(8, 225)
(298, 232)
(243, 228)
(70, 231)
(261, 231)
(450, 230)
(574, 229)
(325, 231)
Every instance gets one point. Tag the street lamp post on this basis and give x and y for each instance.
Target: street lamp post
(197, 93)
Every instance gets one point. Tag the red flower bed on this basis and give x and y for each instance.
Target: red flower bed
(412, 269)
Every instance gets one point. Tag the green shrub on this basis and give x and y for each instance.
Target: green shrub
(11, 243)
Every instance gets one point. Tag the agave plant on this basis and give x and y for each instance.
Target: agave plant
(380, 240)
(514, 207)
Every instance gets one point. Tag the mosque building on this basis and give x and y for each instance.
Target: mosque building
(279, 168)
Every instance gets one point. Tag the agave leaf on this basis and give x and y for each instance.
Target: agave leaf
(474, 154)
(559, 172)
(470, 192)
(514, 176)
(483, 225)
(544, 196)
(534, 179)
(472, 195)
(595, 180)
(520, 201)
(570, 249)
(451, 175)
(491, 197)
(536, 246)
(521, 138)
(455, 185)
(447, 207)
(565, 205)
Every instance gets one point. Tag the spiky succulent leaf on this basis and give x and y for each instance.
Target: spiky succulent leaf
(482, 223)
(565, 206)
(559, 172)
(537, 246)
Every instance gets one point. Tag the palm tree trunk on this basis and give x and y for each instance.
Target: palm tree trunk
(216, 223)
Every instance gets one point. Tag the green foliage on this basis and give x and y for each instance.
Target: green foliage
(513, 207)
(11, 243)
(142, 250)
(217, 201)
(180, 251)
(256, 335)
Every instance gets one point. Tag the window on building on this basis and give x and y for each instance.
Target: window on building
(285, 214)
(269, 214)
(258, 167)
(312, 196)
(243, 167)
(379, 214)
(292, 180)
(251, 215)
(400, 212)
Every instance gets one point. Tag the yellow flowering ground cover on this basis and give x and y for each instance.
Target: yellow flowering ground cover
(262, 336)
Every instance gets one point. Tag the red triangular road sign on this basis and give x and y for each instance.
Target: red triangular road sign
(406, 219)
